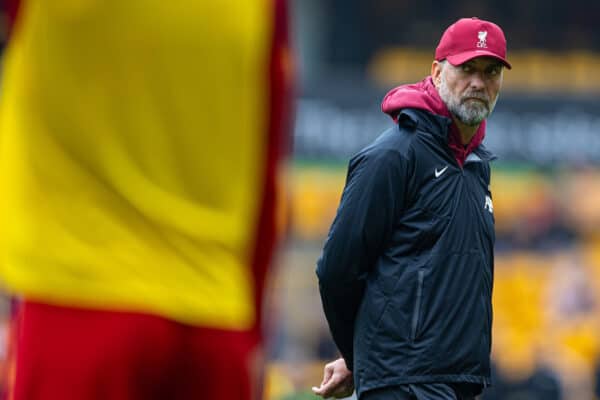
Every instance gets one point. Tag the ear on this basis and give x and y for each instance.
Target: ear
(436, 73)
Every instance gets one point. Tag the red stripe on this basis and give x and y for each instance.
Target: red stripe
(8, 378)
(277, 142)
(126, 355)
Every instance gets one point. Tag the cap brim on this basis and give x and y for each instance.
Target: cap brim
(461, 58)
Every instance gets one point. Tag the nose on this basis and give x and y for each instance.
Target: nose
(477, 82)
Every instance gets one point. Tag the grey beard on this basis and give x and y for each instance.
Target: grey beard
(470, 113)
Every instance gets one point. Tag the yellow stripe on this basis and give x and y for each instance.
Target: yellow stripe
(132, 147)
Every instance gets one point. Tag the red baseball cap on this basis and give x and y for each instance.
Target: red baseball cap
(468, 38)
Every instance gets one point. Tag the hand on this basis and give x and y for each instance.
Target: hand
(337, 381)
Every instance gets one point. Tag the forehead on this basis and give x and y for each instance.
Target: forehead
(483, 62)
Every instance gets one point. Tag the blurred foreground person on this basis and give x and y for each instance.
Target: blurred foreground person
(139, 154)
(406, 272)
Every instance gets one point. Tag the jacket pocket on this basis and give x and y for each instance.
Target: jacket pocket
(417, 308)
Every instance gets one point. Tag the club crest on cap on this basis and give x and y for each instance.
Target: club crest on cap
(469, 38)
(482, 36)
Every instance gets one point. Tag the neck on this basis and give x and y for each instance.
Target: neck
(466, 131)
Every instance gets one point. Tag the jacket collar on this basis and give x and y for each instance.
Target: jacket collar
(439, 127)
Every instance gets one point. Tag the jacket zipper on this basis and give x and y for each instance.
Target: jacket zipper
(417, 309)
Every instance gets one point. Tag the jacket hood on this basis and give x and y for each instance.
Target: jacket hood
(421, 95)
(424, 96)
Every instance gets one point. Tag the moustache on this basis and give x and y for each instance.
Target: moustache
(478, 96)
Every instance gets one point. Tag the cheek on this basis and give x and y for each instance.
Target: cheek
(494, 88)
(460, 86)
(493, 93)
(457, 88)
(462, 90)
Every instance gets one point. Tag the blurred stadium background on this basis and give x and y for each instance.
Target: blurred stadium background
(546, 183)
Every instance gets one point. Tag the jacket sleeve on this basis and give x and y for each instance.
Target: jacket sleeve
(373, 197)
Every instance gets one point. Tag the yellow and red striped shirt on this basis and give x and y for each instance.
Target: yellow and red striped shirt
(139, 143)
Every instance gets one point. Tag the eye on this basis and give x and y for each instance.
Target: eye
(466, 68)
(494, 70)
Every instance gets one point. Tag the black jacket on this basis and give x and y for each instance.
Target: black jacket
(406, 272)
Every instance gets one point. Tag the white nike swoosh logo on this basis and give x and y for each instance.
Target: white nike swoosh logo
(440, 172)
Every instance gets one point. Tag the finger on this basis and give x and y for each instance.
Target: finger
(327, 374)
(320, 391)
(330, 387)
(323, 391)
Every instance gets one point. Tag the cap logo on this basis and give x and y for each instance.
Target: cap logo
(482, 36)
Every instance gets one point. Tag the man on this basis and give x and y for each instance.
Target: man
(406, 272)
(139, 155)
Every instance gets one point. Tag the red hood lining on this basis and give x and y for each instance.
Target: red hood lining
(424, 96)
